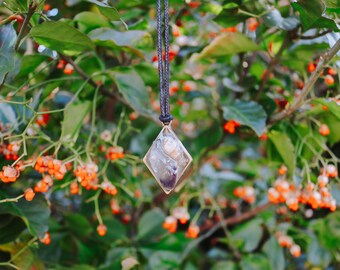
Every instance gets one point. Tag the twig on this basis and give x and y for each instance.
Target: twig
(31, 10)
(316, 35)
(324, 59)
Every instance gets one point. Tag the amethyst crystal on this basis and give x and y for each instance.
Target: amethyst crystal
(167, 159)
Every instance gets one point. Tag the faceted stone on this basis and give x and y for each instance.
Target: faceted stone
(167, 159)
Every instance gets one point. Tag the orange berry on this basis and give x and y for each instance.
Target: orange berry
(189, 86)
(101, 229)
(329, 80)
(193, 231)
(61, 64)
(47, 7)
(115, 208)
(29, 194)
(322, 180)
(311, 67)
(273, 195)
(331, 171)
(138, 193)
(194, 4)
(133, 116)
(282, 170)
(69, 69)
(17, 18)
(295, 250)
(170, 224)
(46, 239)
(264, 137)
(285, 241)
(181, 214)
(229, 29)
(126, 218)
(331, 71)
(252, 24)
(324, 130)
(231, 126)
(74, 188)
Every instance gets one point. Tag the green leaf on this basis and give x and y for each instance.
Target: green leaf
(311, 14)
(74, 267)
(250, 233)
(255, 262)
(129, 40)
(150, 225)
(30, 62)
(61, 37)
(74, 116)
(248, 113)
(224, 265)
(227, 44)
(78, 225)
(8, 38)
(108, 11)
(274, 18)
(116, 231)
(133, 89)
(316, 254)
(332, 106)
(164, 260)
(35, 214)
(88, 21)
(285, 148)
(10, 228)
(333, 5)
(275, 254)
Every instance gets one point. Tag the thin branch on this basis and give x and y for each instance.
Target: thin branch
(31, 10)
(324, 59)
(316, 35)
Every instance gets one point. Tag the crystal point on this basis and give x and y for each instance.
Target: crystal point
(167, 159)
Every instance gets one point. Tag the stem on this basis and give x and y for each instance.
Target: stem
(309, 84)
(93, 120)
(31, 9)
(96, 207)
(12, 199)
(22, 250)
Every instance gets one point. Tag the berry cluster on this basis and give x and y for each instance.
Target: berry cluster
(287, 242)
(9, 174)
(10, 151)
(114, 153)
(53, 167)
(317, 196)
(67, 68)
(181, 215)
(245, 193)
(87, 175)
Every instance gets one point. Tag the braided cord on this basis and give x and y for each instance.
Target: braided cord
(163, 68)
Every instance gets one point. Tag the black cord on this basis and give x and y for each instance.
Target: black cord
(163, 68)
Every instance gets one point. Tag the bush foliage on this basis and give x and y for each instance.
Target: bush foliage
(255, 97)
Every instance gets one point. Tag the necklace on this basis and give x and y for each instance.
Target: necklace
(167, 158)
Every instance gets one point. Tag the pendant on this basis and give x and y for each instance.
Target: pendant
(167, 159)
